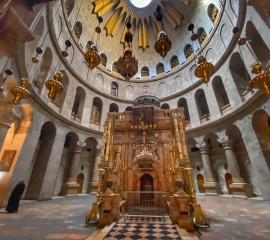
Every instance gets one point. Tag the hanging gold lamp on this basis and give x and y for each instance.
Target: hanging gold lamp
(163, 44)
(20, 92)
(91, 56)
(204, 70)
(54, 85)
(261, 80)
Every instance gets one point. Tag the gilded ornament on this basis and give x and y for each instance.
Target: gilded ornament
(54, 85)
(204, 70)
(261, 80)
(20, 92)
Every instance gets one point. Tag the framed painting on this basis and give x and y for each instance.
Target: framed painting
(6, 160)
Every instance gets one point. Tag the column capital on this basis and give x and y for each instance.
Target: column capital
(226, 142)
(79, 146)
(203, 146)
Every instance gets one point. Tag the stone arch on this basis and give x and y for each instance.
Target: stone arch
(114, 67)
(113, 107)
(202, 35)
(69, 5)
(182, 103)
(239, 73)
(245, 166)
(202, 105)
(188, 51)
(165, 106)
(65, 163)
(114, 88)
(160, 68)
(263, 9)
(78, 104)
(174, 61)
(60, 98)
(213, 12)
(78, 29)
(44, 69)
(220, 93)
(96, 112)
(41, 160)
(145, 72)
(103, 59)
(261, 125)
(257, 44)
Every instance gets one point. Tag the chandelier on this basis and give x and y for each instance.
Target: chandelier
(91, 56)
(127, 65)
(21, 91)
(54, 85)
(163, 44)
(261, 80)
(205, 69)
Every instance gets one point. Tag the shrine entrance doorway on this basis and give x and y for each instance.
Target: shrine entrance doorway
(147, 188)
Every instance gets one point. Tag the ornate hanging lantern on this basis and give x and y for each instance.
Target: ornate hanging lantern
(163, 43)
(91, 56)
(127, 65)
(54, 85)
(261, 79)
(205, 69)
(20, 92)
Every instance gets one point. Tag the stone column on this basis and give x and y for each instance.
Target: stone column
(72, 184)
(210, 183)
(256, 155)
(94, 180)
(239, 186)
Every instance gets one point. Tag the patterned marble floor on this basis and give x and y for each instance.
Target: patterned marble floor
(230, 218)
(57, 219)
(145, 231)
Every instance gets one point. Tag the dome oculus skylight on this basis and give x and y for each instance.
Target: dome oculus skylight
(140, 3)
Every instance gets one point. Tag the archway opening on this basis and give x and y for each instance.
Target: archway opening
(200, 182)
(41, 159)
(80, 180)
(229, 181)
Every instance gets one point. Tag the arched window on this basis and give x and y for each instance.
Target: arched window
(96, 111)
(78, 29)
(114, 89)
(174, 61)
(201, 33)
(182, 103)
(89, 44)
(128, 109)
(114, 108)
(188, 51)
(202, 105)
(103, 59)
(78, 104)
(69, 4)
(213, 12)
(220, 93)
(145, 72)
(257, 44)
(165, 106)
(239, 73)
(114, 67)
(160, 68)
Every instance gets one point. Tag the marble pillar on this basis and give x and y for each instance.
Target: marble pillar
(72, 185)
(256, 156)
(238, 187)
(94, 180)
(210, 183)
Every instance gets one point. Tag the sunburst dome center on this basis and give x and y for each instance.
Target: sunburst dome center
(140, 3)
